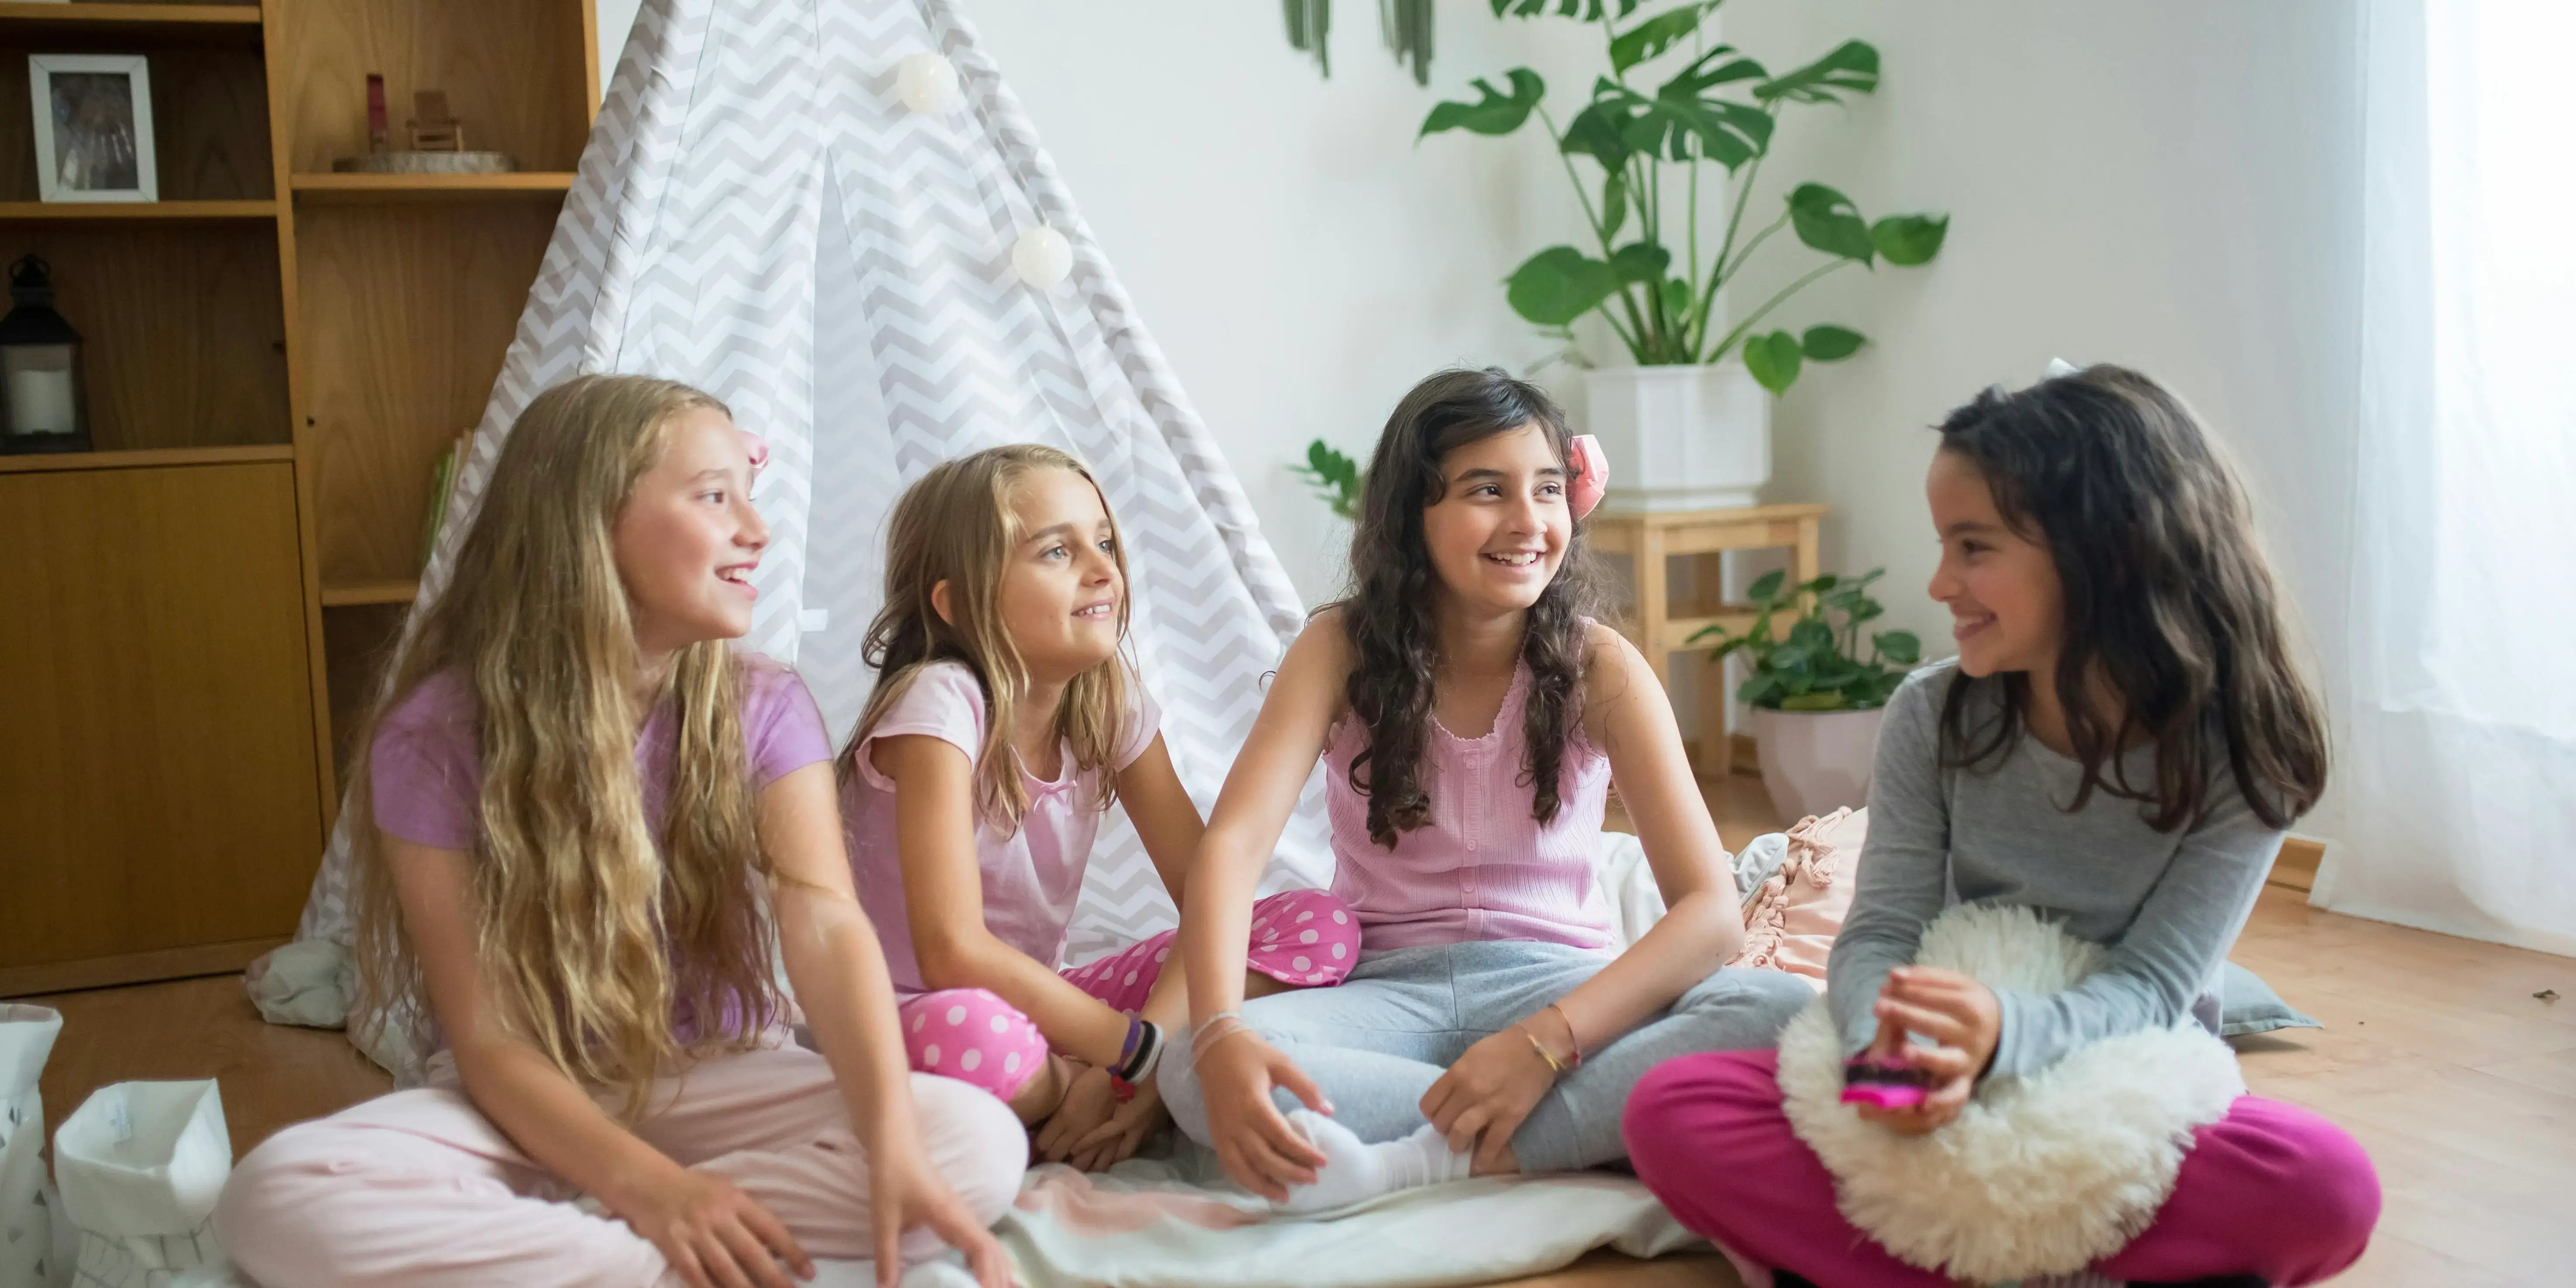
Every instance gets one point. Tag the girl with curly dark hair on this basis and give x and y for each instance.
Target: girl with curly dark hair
(1471, 718)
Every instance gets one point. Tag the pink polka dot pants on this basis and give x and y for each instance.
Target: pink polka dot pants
(1301, 937)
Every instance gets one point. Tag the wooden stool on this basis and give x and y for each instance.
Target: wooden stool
(1652, 539)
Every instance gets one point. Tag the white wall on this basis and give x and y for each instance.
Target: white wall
(2169, 184)
(1297, 257)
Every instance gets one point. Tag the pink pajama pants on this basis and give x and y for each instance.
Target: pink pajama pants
(1301, 937)
(418, 1189)
(2270, 1190)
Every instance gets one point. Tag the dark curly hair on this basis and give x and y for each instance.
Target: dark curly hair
(2167, 596)
(1395, 644)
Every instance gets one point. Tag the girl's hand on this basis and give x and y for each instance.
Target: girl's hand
(1116, 1140)
(1962, 1018)
(715, 1235)
(1252, 1139)
(1482, 1099)
(904, 1192)
(1088, 1102)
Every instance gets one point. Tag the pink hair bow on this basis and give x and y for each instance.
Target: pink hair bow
(1591, 468)
(756, 447)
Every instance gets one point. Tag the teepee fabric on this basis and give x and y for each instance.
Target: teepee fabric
(759, 214)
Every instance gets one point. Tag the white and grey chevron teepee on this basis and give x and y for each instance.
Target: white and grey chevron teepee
(758, 213)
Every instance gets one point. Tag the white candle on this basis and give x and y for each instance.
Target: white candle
(40, 401)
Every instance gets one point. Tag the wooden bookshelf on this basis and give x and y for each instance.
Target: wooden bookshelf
(274, 356)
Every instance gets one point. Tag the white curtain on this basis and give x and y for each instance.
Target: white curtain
(2459, 772)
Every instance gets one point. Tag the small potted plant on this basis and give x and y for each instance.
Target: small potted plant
(1816, 701)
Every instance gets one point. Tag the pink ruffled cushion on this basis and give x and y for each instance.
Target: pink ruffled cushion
(1792, 918)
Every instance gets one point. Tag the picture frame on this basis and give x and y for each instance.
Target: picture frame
(93, 116)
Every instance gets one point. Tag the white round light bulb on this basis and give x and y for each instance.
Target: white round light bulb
(926, 82)
(1042, 257)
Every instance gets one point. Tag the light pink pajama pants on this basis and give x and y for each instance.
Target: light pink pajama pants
(1301, 937)
(2270, 1190)
(418, 1189)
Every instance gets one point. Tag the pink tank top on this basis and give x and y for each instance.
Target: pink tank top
(1481, 869)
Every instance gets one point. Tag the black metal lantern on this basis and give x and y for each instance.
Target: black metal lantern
(44, 409)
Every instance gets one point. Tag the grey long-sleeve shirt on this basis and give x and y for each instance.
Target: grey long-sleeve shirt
(2167, 904)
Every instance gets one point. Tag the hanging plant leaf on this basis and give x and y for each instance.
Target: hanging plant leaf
(1495, 112)
(1558, 285)
(1908, 240)
(1851, 68)
(1900, 647)
(1310, 26)
(1830, 343)
(1773, 359)
(1828, 221)
(1405, 26)
(1655, 35)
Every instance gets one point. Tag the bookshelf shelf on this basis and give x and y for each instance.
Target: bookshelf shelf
(414, 189)
(115, 212)
(144, 459)
(364, 593)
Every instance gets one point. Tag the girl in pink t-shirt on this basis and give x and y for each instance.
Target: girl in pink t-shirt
(584, 829)
(1004, 723)
(1471, 720)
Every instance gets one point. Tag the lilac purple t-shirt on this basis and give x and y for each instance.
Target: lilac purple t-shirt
(426, 775)
(1032, 874)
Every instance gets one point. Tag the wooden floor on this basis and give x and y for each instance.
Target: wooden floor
(2436, 1054)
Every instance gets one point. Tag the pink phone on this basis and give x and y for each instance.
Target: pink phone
(1887, 1086)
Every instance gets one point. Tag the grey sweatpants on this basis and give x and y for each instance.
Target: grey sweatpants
(1377, 1041)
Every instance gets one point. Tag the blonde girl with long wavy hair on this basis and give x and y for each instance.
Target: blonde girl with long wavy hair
(1005, 720)
(586, 828)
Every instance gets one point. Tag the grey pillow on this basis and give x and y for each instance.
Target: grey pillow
(2248, 1005)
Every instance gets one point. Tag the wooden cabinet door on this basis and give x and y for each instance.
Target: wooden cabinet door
(160, 809)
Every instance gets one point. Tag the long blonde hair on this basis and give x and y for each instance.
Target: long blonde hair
(955, 524)
(587, 934)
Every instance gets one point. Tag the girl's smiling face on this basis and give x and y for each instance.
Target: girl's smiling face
(1500, 528)
(687, 539)
(2007, 606)
(1061, 592)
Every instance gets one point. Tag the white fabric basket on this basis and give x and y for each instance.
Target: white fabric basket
(140, 1165)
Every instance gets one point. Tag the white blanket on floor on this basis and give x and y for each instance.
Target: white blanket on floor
(1143, 1224)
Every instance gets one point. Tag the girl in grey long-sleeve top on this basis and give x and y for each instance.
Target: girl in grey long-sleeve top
(2120, 744)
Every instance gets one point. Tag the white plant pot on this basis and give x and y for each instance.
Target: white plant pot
(1816, 762)
(1680, 438)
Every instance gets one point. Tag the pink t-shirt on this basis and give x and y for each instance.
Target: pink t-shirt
(1032, 875)
(427, 772)
(1481, 869)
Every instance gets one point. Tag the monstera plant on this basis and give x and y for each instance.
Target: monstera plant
(1638, 150)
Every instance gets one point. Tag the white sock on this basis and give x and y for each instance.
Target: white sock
(1354, 1170)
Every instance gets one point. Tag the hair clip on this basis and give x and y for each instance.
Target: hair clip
(1591, 468)
(757, 447)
